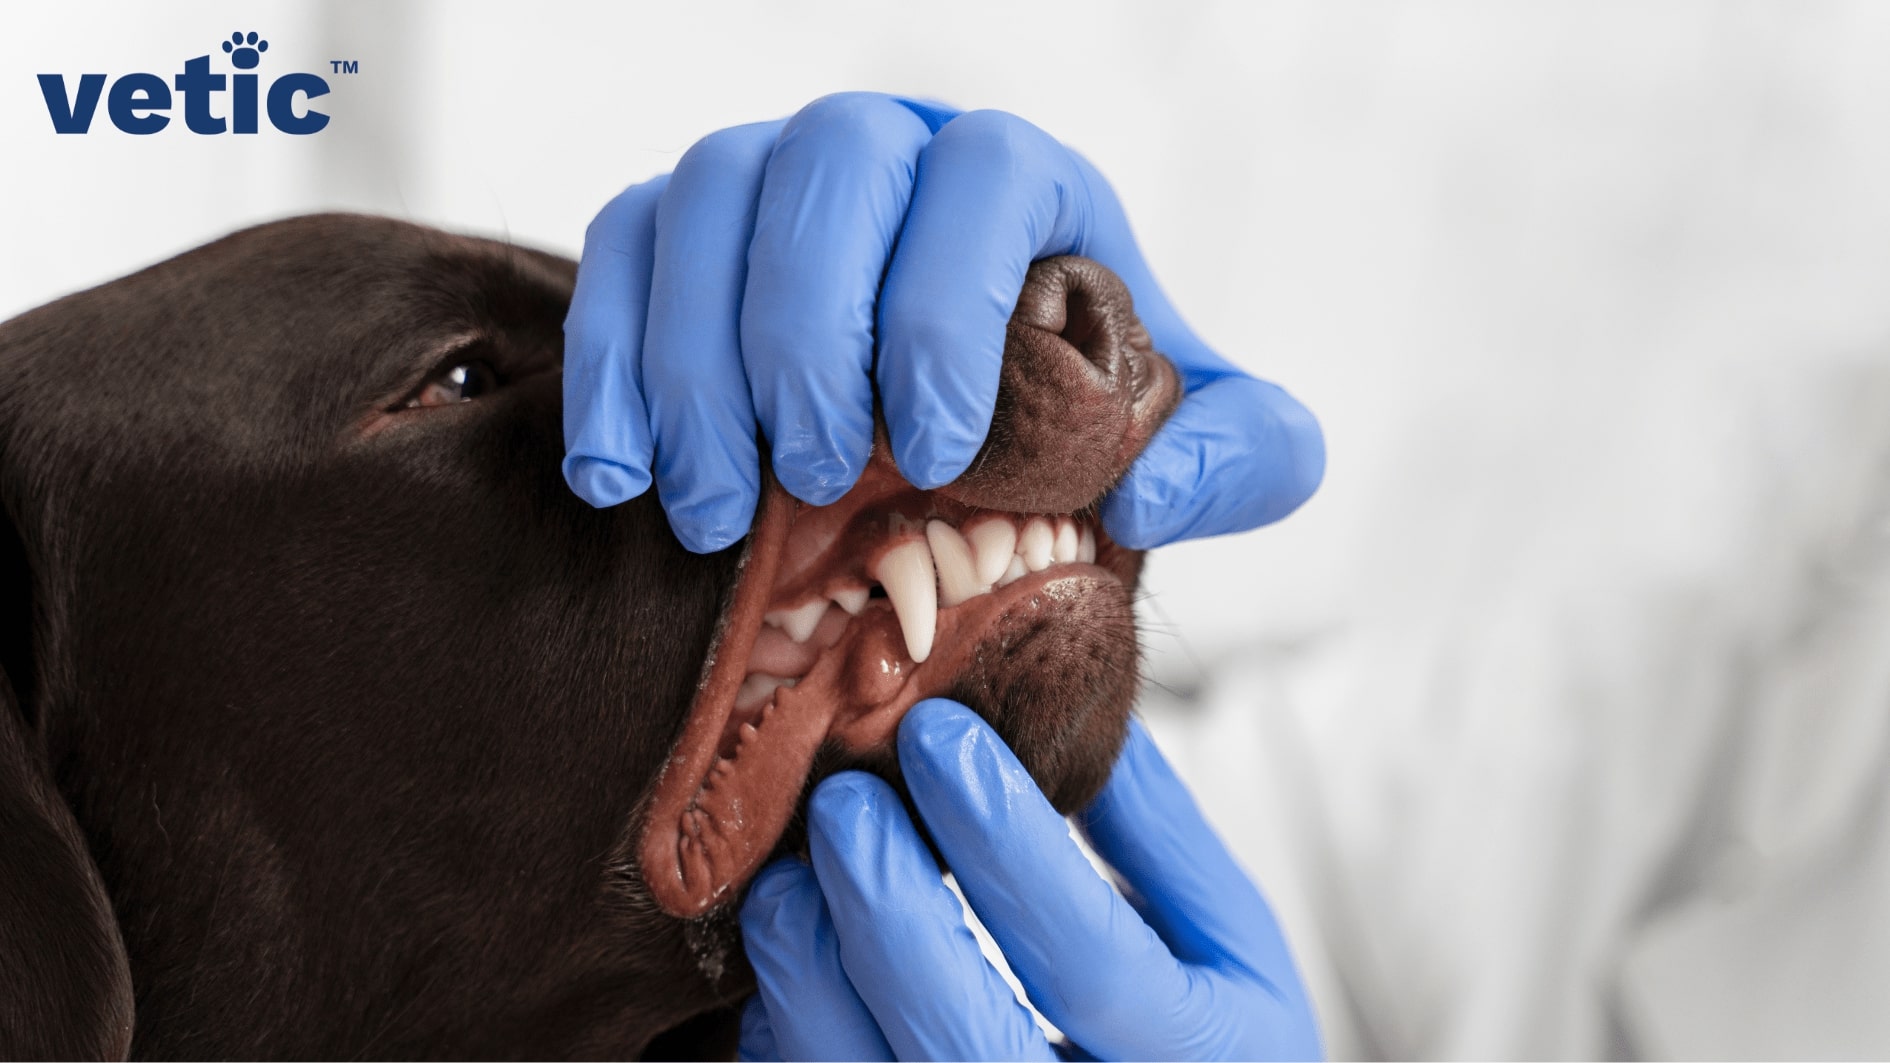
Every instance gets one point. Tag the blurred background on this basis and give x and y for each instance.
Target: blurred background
(1558, 723)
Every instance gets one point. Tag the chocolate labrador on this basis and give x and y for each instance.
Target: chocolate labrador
(336, 726)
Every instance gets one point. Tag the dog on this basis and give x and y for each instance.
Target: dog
(336, 726)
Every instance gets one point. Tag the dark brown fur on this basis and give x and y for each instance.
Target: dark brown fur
(323, 723)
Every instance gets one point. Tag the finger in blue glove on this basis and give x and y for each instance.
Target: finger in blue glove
(756, 1041)
(749, 287)
(606, 427)
(838, 183)
(804, 1006)
(903, 939)
(1206, 976)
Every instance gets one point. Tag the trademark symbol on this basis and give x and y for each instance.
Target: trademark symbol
(344, 66)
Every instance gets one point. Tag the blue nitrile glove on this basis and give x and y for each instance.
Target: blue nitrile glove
(751, 285)
(865, 955)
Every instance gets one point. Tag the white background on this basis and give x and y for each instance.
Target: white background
(1557, 723)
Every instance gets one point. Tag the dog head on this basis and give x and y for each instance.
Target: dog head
(338, 725)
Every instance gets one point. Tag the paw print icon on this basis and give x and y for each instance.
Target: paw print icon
(244, 50)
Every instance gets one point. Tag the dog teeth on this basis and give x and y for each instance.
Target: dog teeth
(1035, 542)
(941, 568)
(906, 572)
(1063, 548)
(993, 540)
(800, 621)
(852, 599)
(957, 568)
(757, 689)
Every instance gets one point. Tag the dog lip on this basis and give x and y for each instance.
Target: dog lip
(725, 796)
(674, 855)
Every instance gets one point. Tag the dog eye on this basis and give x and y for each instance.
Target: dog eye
(461, 383)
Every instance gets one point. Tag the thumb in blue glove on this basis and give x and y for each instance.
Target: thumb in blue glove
(865, 953)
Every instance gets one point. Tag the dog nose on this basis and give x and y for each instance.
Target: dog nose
(1081, 392)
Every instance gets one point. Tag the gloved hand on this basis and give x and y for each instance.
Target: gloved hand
(865, 955)
(751, 284)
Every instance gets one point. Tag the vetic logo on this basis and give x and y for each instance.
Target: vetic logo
(138, 103)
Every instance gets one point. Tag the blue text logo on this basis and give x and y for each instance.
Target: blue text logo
(140, 103)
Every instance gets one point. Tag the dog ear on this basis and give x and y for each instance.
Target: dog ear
(65, 981)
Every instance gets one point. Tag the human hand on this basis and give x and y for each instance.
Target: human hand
(784, 268)
(865, 954)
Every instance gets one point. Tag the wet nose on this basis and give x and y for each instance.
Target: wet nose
(1081, 392)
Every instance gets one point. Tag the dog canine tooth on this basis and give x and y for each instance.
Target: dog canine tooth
(800, 621)
(993, 540)
(1086, 546)
(1064, 547)
(1018, 570)
(906, 572)
(957, 569)
(1034, 544)
(852, 599)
